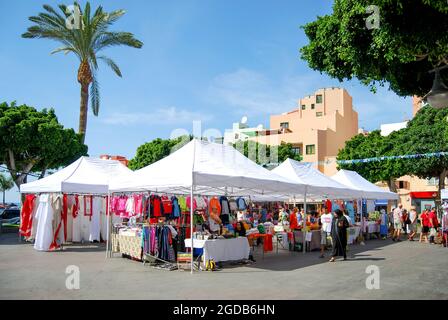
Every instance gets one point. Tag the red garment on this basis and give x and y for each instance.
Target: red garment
(75, 208)
(433, 221)
(328, 205)
(54, 244)
(88, 206)
(167, 205)
(26, 219)
(424, 219)
(156, 206)
(293, 223)
(267, 246)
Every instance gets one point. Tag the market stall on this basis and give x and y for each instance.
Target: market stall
(70, 205)
(211, 170)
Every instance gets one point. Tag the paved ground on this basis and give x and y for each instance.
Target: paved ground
(408, 270)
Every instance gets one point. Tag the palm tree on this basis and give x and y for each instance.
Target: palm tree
(85, 36)
(5, 185)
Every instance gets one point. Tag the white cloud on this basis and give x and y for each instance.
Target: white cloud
(161, 116)
(253, 93)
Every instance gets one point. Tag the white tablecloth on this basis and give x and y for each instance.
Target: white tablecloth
(222, 249)
(353, 233)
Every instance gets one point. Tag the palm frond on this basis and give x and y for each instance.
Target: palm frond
(109, 39)
(95, 95)
(111, 64)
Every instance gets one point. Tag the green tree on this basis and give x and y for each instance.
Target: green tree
(410, 41)
(427, 132)
(6, 184)
(371, 146)
(156, 150)
(85, 38)
(34, 141)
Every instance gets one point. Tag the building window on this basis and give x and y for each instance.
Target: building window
(312, 106)
(319, 98)
(318, 114)
(401, 184)
(295, 150)
(303, 107)
(284, 125)
(310, 149)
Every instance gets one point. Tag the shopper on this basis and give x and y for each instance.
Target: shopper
(412, 223)
(404, 219)
(424, 220)
(240, 231)
(384, 224)
(339, 227)
(433, 225)
(398, 220)
(325, 219)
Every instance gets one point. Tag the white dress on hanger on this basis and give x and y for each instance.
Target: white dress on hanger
(95, 222)
(103, 219)
(44, 230)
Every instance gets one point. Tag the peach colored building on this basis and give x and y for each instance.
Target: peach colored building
(317, 128)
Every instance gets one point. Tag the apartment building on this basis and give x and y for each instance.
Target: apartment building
(317, 128)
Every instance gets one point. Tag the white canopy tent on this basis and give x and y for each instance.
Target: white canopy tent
(211, 169)
(85, 176)
(319, 185)
(368, 190)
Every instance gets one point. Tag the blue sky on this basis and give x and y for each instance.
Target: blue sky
(210, 61)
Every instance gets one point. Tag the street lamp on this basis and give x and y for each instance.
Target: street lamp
(438, 96)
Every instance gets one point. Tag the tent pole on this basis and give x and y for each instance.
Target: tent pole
(108, 253)
(191, 226)
(304, 221)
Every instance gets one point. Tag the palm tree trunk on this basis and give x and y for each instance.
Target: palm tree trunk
(4, 192)
(84, 78)
(83, 111)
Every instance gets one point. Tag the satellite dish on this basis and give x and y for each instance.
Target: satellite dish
(244, 120)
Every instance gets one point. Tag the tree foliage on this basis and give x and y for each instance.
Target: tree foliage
(34, 141)
(6, 183)
(426, 133)
(412, 39)
(264, 155)
(156, 150)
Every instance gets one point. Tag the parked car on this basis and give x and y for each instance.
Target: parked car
(11, 215)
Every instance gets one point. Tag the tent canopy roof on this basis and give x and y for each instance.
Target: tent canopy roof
(85, 175)
(369, 191)
(319, 185)
(212, 168)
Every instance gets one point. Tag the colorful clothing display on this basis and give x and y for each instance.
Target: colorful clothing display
(26, 216)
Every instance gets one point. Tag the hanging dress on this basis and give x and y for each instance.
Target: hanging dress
(97, 205)
(26, 216)
(44, 232)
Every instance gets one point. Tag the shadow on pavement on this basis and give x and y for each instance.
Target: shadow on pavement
(286, 260)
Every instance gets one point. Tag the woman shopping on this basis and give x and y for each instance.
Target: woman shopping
(339, 235)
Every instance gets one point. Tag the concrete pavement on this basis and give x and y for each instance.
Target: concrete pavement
(408, 270)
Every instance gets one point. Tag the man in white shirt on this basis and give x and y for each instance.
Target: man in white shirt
(325, 219)
(398, 220)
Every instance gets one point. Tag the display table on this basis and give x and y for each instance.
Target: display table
(314, 244)
(266, 239)
(353, 234)
(129, 245)
(222, 249)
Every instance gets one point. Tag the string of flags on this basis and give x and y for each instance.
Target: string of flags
(366, 160)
